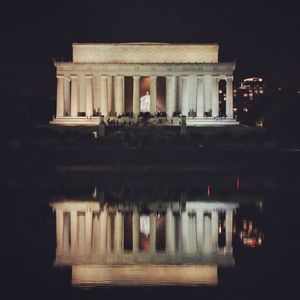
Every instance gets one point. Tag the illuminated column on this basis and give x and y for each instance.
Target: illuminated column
(153, 232)
(170, 234)
(108, 233)
(119, 94)
(153, 94)
(118, 232)
(66, 234)
(228, 228)
(207, 245)
(109, 94)
(59, 230)
(88, 95)
(88, 230)
(214, 229)
(60, 96)
(97, 92)
(67, 104)
(170, 95)
(135, 229)
(215, 97)
(136, 96)
(207, 92)
(200, 227)
(103, 230)
(74, 96)
(81, 233)
(73, 231)
(200, 97)
(185, 95)
(185, 241)
(104, 96)
(229, 97)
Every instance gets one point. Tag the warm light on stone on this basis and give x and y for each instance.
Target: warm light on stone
(96, 80)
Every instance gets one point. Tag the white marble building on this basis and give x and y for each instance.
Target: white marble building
(109, 80)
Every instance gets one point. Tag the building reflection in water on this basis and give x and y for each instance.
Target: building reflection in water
(163, 243)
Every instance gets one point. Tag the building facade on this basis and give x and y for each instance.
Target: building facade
(110, 81)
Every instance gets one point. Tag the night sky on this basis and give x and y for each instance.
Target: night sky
(263, 39)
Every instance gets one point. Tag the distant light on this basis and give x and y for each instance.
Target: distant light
(208, 191)
(279, 89)
(238, 183)
(245, 109)
(234, 109)
(253, 79)
(95, 192)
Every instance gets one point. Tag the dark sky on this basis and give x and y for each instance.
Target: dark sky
(263, 39)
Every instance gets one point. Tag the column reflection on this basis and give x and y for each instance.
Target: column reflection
(108, 243)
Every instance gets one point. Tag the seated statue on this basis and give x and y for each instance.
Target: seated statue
(145, 103)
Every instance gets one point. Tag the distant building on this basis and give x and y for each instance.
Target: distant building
(251, 87)
(244, 95)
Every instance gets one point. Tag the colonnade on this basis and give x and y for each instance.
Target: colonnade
(98, 232)
(89, 94)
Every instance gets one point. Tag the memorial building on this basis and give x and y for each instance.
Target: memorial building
(167, 82)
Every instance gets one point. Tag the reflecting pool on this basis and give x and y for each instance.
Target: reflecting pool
(152, 234)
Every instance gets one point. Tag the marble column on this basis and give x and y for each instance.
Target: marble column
(109, 94)
(170, 95)
(215, 97)
(214, 230)
(200, 228)
(153, 94)
(136, 96)
(74, 231)
(207, 93)
(59, 230)
(200, 97)
(228, 230)
(66, 234)
(119, 95)
(229, 97)
(185, 241)
(67, 94)
(103, 230)
(153, 232)
(207, 244)
(60, 96)
(74, 96)
(104, 96)
(170, 232)
(185, 95)
(82, 105)
(88, 230)
(118, 234)
(135, 229)
(89, 95)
